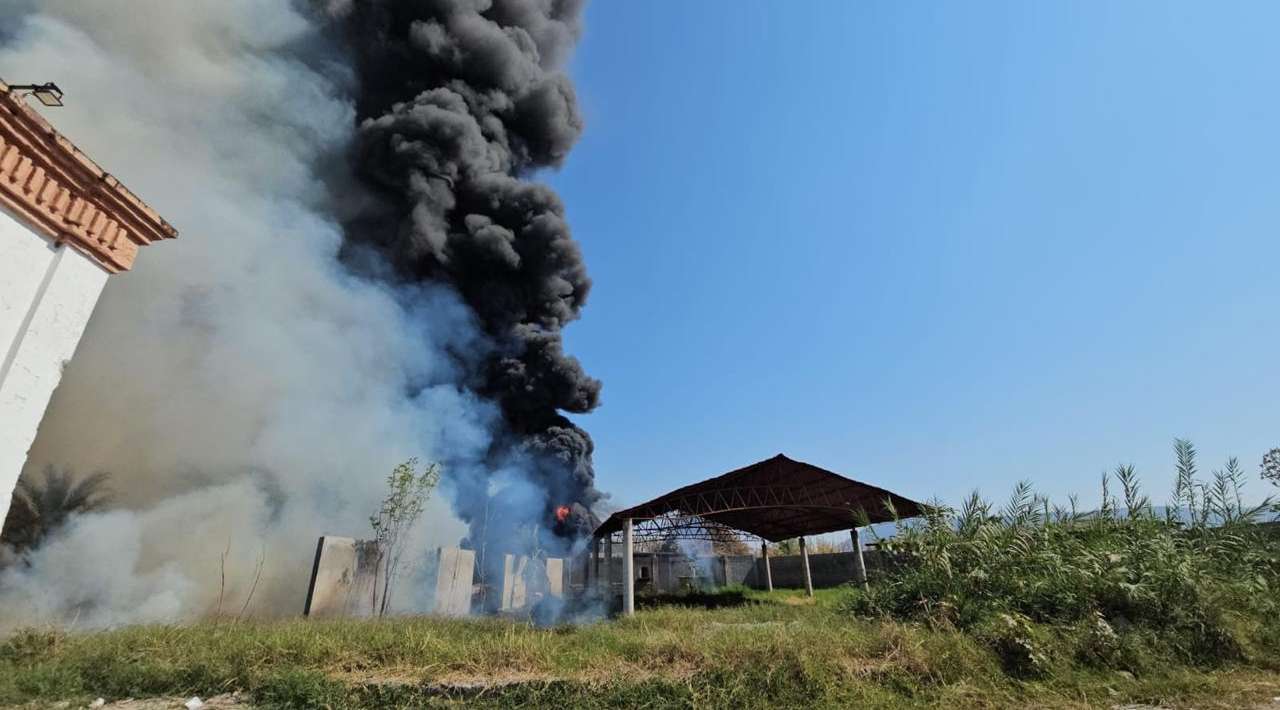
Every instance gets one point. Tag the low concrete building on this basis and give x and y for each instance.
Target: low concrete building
(66, 225)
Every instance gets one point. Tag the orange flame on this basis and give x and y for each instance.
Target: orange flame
(562, 513)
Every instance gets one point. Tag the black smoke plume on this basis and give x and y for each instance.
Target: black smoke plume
(459, 102)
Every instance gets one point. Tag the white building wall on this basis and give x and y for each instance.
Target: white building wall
(24, 261)
(47, 294)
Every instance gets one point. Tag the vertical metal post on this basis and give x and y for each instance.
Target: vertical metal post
(808, 579)
(595, 563)
(628, 571)
(859, 565)
(768, 573)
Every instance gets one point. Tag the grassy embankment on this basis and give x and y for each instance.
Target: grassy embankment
(758, 650)
(1025, 606)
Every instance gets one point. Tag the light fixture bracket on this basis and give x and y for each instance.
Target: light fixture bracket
(47, 93)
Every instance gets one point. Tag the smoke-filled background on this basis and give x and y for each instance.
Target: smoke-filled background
(365, 272)
(460, 100)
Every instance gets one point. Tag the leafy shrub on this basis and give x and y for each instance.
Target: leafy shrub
(1019, 645)
(1185, 578)
(26, 645)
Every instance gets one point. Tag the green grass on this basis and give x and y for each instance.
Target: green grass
(1016, 607)
(1121, 588)
(761, 650)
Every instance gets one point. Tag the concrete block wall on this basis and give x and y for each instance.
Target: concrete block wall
(828, 570)
(666, 573)
(743, 569)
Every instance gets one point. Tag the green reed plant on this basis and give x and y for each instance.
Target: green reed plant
(1201, 581)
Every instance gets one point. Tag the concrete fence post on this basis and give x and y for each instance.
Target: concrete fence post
(628, 571)
(859, 565)
(808, 578)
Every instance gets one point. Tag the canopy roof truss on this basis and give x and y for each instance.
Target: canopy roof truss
(775, 499)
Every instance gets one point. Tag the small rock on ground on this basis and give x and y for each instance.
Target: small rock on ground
(230, 701)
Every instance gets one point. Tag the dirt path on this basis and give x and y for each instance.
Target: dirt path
(1273, 704)
(230, 701)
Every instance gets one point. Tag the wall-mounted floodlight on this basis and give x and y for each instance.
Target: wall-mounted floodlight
(47, 93)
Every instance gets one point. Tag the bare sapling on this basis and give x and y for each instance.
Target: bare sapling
(1271, 466)
(257, 575)
(222, 577)
(407, 495)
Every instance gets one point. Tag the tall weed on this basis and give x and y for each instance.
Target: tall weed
(1201, 582)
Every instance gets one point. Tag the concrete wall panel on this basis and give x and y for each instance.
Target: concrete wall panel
(555, 577)
(454, 575)
(525, 581)
(345, 578)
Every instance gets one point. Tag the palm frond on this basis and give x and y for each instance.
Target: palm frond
(42, 505)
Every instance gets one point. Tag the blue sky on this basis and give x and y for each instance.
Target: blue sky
(935, 246)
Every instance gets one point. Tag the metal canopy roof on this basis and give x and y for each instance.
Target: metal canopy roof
(775, 499)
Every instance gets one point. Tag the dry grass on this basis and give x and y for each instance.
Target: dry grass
(769, 651)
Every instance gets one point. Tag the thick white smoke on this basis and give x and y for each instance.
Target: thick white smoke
(243, 390)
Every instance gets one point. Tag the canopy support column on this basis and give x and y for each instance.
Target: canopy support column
(768, 573)
(859, 565)
(808, 578)
(608, 569)
(628, 570)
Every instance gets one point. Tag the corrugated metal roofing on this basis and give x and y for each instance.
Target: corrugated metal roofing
(776, 499)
